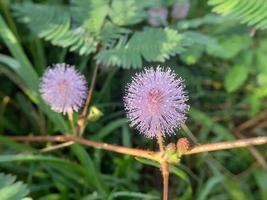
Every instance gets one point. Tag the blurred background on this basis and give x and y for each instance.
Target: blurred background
(218, 47)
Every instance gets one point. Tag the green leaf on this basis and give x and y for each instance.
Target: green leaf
(26, 157)
(261, 178)
(209, 186)
(195, 23)
(230, 46)
(187, 194)
(175, 170)
(5, 142)
(200, 43)
(235, 190)
(53, 23)
(246, 11)
(90, 13)
(27, 72)
(111, 33)
(126, 12)
(160, 45)
(255, 104)
(135, 195)
(109, 128)
(89, 165)
(206, 121)
(235, 78)
(193, 54)
(10, 189)
(201, 38)
(24, 69)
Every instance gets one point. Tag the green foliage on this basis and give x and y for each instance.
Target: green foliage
(235, 78)
(126, 12)
(222, 62)
(25, 71)
(53, 23)
(249, 12)
(111, 33)
(261, 179)
(10, 189)
(160, 45)
(91, 14)
(55, 26)
(230, 47)
(196, 23)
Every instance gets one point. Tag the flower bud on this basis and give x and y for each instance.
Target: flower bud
(182, 146)
(171, 148)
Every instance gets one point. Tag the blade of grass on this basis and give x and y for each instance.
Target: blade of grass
(15, 66)
(106, 130)
(26, 72)
(31, 158)
(88, 164)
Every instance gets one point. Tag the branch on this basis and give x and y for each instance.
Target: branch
(82, 117)
(90, 91)
(98, 145)
(143, 153)
(228, 145)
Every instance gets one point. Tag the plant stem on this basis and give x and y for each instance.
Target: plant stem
(70, 116)
(55, 147)
(160, 142)
(82, 117)
(3, 106)
(98, 145)
(78, 131)
(165, 175)
(164, 165)
(228, 145)
(144, 153)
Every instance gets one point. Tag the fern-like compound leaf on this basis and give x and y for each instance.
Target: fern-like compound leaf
(90, 13)
(10, 189)
(152, 44)
(250, 12)
(127, 12)
(53, 23)
(111, 34)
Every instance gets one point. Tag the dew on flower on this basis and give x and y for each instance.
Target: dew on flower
(155, 102)
(63, 88)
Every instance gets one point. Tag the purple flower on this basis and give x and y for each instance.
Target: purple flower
(158, 16)
(63, 88)
(180, 10)
(155, 102)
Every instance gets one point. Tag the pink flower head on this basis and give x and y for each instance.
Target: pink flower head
(63, 88)
(158, 16)
(180, 10)
(155, 102)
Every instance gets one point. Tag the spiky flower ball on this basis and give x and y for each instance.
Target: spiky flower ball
(63, 88)
(155, 102)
